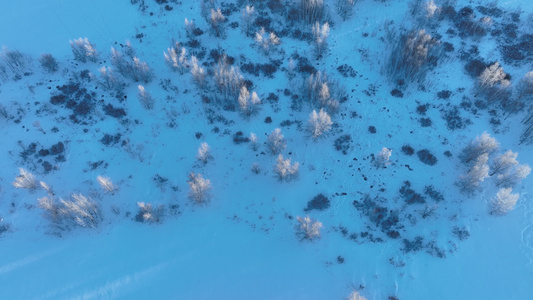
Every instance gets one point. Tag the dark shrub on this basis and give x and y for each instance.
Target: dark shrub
(409, 195)
(396, 93)
(114, 112)
(433, 194)
(372, 129)
(408, 150)
(239, 138)
(319, 202)
(444, 94)
(425, 122)
(57, 148)
(426, 157)
(413, 246)
(342, 143)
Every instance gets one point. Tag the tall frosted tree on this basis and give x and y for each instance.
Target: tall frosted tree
(503, 202)
(504, 162)
(483, 144)
(471, 181)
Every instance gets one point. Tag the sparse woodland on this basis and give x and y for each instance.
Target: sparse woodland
(303, 120)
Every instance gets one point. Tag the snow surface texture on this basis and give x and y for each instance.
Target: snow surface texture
(131, 152)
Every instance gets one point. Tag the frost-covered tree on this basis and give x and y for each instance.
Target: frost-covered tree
(410, 56)
(503, 202)
(198, 73)
(493, 75)
(176, 59)
(285, 169)
(493, 82)
(322, 92)
(320, 35)
(199, 188)
(109, 81)
(78, 211)
(382, 159)
(204, 153)
(345, 8)
(131, 67)
(254, 141)
(15, 62)
(480, 145)
(190, 29)
(513, 176)
(248, 103)
(106, 184)
(149, 214)
(356, 296)
(276, 141)
(205, 8)
(83, 50)
(145, 98)
(228, 79)
(217, 22)
(48, 63)
(504, 162)
(312, 11)
(470, 182)
(25, 180)
(256, 169)
(266, 41)
(319, 123)
(248, 16)
(308, 229)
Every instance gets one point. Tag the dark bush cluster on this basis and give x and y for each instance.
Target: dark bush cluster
(426, 157)
(109, 139)
(319, 202)
(408, 150)
(433, 193)
(380, 216)
(267, 69)
(409, 195)
(343, 143)
(453, 119)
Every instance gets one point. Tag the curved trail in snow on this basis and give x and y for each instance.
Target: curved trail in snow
(527, 232)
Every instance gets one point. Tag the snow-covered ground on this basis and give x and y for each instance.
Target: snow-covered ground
(243, 243)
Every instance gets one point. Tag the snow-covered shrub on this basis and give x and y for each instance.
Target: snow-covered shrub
(204, 153)
(504, 162)
(480, 145)
(248, 104)
(198, 73)
(410, 58)
(356, 296)
(176, 59)
(285, 170)
(199, 188)
(513, 176)
(320, 34)
(228, 79)
(109, 81)
(493, 82)
(106, 184)
(312, 11)
(503, 202)
(83, 50)
(217, 22)
(308, 229)
(145, 98)
(248, 16)
(25, 180)
(48, 63)
(470, 182)
(266, 41)
(319, 123)
(78, 211)
(149, 214)
(254, 141)
(382, 159)
(345, 8)
(131, 67)
(276, 141)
